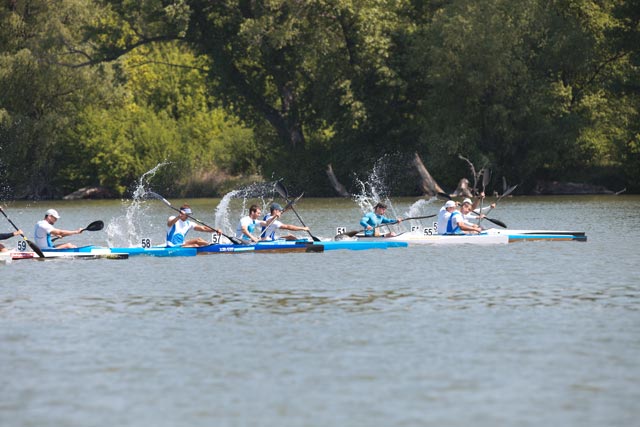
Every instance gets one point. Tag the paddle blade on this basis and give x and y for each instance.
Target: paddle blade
(34, 248)
(486, 176)
(157, 197)
(497, 222)
(509, 191)
(235, 240)
(350, 233)
(282, 190)
(95, 226)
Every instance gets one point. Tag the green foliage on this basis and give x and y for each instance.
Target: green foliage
(104, 90)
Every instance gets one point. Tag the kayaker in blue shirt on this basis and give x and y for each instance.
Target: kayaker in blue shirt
(178, 227)
(375, 219)
(457, 224)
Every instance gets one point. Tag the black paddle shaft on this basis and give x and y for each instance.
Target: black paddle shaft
(280, 188)
(31, 244)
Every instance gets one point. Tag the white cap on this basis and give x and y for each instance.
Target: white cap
(53, 213)
(450, 204)
(467, 201)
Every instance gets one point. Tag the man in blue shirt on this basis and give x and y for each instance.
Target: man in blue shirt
(375, 219)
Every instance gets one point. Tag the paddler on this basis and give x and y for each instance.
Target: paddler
(375, 219)
(44, 230)
(248, 224)
(178, 227)
(456, 224)
(268, 233)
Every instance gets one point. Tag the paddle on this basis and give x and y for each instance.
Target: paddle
(282, 190)
(33, 246)
(486, 175)
(495, 221)
(354, 232)
(94, 226)
(233, 239)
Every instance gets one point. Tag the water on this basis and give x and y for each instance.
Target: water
(527, 334)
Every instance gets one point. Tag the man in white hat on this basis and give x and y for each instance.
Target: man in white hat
(179, 225)
(444, 214)
(45, 229)
(473, 213)
(456, 223)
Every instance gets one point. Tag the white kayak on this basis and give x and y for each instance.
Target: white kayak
(420, 238)
(7, 257)
(548, 235)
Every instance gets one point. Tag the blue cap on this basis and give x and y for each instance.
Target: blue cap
(275, 206)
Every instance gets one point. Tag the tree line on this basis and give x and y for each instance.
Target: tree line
(96, 92)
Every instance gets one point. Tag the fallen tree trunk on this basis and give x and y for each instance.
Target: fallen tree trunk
(340, 189)
(428, 185)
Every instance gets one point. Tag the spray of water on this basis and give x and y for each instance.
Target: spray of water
(129, 228)
(264, 191)
(375, 189)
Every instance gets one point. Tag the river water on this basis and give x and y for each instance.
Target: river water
(526, 334)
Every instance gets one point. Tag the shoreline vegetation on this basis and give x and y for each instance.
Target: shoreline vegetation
(225, 94)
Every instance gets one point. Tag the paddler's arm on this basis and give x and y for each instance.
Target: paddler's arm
(65, 233)
(364, 222)
(5, 236)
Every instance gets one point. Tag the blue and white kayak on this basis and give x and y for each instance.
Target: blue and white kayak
(349, 244)
(275, 246)
(177, 251)
(132, 251)
(361, 245)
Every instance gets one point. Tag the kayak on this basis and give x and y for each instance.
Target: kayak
(8, 256)
(347, 244)
(276, 246)
(61, 254)
(492, 236)
(548, 235)
(419, 238)
(361, 245)
(177, 251)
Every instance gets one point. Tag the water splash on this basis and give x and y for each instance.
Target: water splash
(127, 229)
(374, 189)
(419, 207)
(222, 211)
(264, 191)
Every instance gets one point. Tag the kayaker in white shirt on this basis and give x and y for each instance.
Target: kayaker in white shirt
(444, 214)
(268, 232)
(475, 213)
(179, 226)
(44, 230)
(248, 224)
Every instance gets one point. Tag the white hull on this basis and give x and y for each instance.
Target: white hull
(550, 235)
(419, 238)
